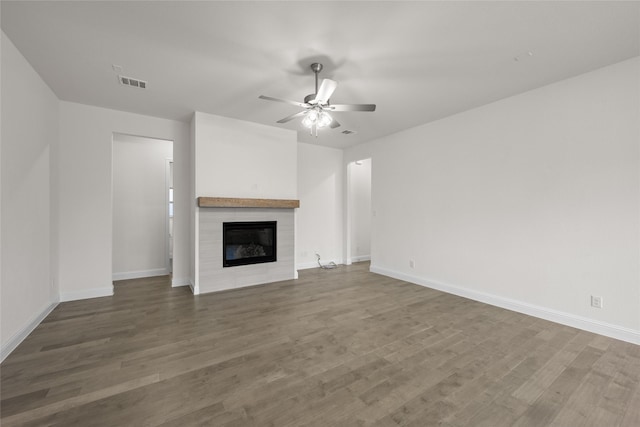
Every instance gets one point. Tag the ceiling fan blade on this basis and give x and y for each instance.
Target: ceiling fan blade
(286, 101)
(334, 124)
(326, 90)
(351, 107)
(291, 117)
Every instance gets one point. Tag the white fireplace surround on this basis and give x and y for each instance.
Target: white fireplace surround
(214, 277)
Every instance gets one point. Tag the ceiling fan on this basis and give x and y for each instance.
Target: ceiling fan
(316, 106)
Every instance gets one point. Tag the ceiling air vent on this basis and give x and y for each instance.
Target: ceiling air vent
(348, 132)
(128, 81)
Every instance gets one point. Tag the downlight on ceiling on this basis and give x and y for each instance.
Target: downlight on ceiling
(129, 81)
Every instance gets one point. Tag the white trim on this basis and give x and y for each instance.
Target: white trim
(140, 274)
(23, 333)
(348, 208)
(107, 291)
(167, 218)
(568, 319)
(185, 281)
(361, 258)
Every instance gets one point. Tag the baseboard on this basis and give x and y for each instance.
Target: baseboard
(361, 258)
(107, 291)
(140, 274)
(23, 333)
(579, 322)
(177, 282)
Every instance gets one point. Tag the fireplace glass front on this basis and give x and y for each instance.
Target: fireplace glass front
(248, 243)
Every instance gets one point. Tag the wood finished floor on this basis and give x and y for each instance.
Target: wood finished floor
(340, 347)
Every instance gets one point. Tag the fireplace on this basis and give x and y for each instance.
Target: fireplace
(246, 243)
(216, 271)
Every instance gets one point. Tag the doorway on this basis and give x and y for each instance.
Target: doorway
(169, 206)
(359, 211)
(142, 192)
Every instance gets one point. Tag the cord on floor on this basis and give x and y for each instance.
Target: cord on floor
(329, 266)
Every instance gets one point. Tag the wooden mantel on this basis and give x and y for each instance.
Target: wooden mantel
(229, 202)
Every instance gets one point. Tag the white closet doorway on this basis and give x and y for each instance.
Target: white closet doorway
(142, 206)
(359, 211)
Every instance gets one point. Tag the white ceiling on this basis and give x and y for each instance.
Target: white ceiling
(418, 61)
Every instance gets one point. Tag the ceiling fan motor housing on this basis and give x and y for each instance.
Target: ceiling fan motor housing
(309, 98)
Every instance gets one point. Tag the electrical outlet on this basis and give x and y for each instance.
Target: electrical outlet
(596, 302)
(412, 263)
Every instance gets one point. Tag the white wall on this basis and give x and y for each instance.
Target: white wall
(242, 159)
(360, 209)
(140, 208)
(193, 208)
(532, 202)
(29, 289)
(85, 175)
(234, 158)
(319, 220)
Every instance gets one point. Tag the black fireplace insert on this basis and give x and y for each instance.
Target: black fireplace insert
(248, 243)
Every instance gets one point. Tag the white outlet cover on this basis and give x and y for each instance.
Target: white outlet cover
(596, 301)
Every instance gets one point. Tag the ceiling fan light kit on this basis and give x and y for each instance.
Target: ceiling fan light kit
(317, 106)
(317, 118)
